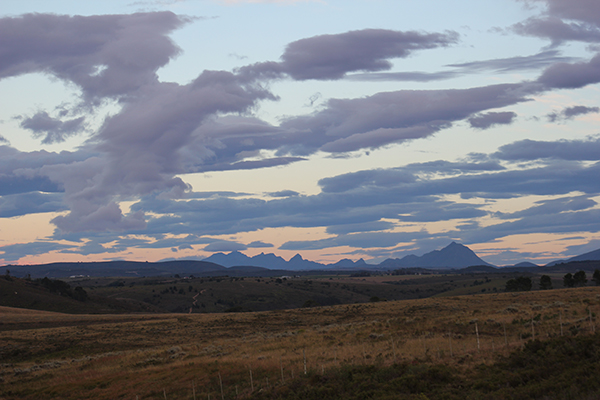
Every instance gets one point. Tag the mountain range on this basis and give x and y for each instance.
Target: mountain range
(453, 256)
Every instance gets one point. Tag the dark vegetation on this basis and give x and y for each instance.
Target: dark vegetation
(561, 368)
(520, 284)
(61, 296)
(243, 294)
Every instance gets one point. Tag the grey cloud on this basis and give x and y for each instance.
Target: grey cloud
(580, 10)
(571, 76)
(332, 56)
(486, 121)
(394, 117)
(91, 247)
(360, 227)
(142, 146)
(259, 244)
(553, 206)
(14, 252)
(105, 55)
(55, 130)
(224, 246)
(30, 203)
(563, 222)
(24, 164)
(247, 165)
(414, 76)
(368, 178)
(401, 176)
(526, 150)
(510, 64)
(578, 249)
(571, 112)
(284, 193)
(206, 195)
(357, 240)
(503, 65)
(557, 30)
(15, 184)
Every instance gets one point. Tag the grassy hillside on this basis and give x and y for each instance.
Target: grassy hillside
(226, 294)
(458, 346)
(59, 296)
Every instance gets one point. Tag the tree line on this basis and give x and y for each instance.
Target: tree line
(524, 283)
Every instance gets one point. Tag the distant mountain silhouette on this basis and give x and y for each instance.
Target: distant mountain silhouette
(349, 264)
(269, 261)
(590, 256)
(525, 264)
(453, 256)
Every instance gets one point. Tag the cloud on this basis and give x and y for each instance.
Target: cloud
(55, 130)
(553, 206)
(30, 203)
(582, 21)
(486, 121)
(501, 65)
(571, 112)
(333, 56)
(11, 185)
(571, 76)
(557, 30)
(519, 63)
(580, 10)
(259, 244)
(14, 252)
(105, 55)
(394, 117)
(528, 150)
(414, 76)
(284, 193)
(223, 245)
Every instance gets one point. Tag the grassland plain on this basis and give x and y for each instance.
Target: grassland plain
(451, 347)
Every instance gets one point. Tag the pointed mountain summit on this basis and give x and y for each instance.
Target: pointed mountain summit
(455, 255)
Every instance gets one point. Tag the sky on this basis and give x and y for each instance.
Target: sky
(374, 129)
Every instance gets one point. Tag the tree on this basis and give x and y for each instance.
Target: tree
(545, 282)
(80, 294)
(596, 277)
(568, 280)
(520, 284)
(580, 278)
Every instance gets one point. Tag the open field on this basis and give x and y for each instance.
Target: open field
(262, 354)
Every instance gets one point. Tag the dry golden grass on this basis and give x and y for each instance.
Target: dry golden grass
(150, 356)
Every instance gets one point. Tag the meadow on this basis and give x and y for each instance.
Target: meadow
(450, 347)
